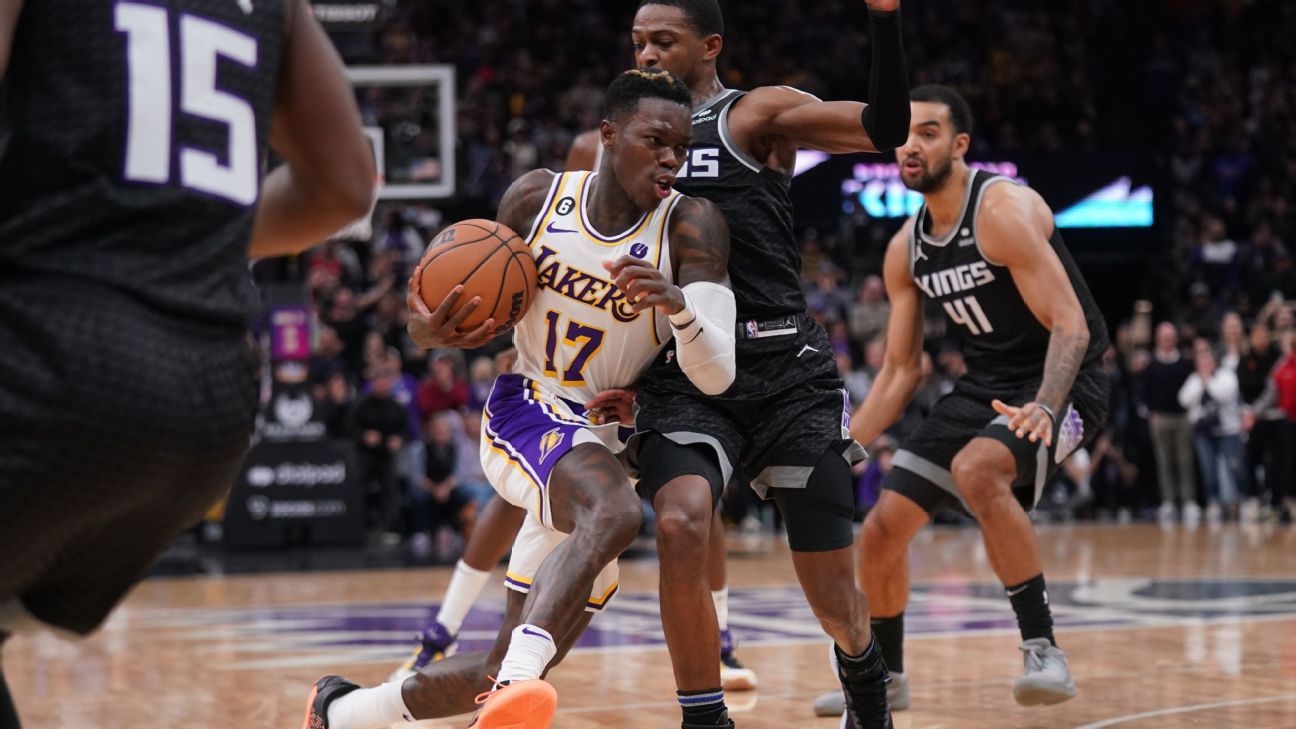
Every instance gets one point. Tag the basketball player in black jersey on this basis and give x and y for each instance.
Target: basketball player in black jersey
(984, 249)
(132, 138)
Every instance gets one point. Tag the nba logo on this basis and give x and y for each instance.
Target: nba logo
(751, 330)
(639, 250)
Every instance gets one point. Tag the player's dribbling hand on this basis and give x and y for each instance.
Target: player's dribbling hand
(612, 406)
(440, 328)
(1028, 421)
(644, 285)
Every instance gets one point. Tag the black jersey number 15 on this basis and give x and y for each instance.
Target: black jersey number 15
(201, 43)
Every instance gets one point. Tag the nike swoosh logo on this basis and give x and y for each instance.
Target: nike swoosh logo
(528, 631)
(552, 229)
(1018, 591)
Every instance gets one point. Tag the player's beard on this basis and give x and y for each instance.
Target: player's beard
(932, 179)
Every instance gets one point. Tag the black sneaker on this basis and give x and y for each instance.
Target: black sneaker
(322, 694)
(728, 724)
(866, 699)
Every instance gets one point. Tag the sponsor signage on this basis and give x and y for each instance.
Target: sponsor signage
(295, 492)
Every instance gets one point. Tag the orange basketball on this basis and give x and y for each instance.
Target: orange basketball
(489, 260)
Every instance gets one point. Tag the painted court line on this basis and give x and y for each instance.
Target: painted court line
(1186, 710)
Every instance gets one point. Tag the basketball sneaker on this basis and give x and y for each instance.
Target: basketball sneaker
(1047, 679)
(433, 644)
(834, 704)
(322, 694)
(865, 699)
(517, 705)
(727, 725)
(734, 676)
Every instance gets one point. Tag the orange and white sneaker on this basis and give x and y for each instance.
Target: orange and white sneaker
(322, 694)
(517, 705)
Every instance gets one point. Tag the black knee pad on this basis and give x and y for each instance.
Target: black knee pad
(820, 517)
(662, 460)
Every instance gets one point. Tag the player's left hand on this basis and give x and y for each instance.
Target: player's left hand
(612, 406)
(1028, 421)
(883, 6)
(644, 285)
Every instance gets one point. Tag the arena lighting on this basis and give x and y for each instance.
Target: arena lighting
(877, 189)
(1114, 206)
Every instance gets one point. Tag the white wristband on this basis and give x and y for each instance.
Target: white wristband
(684, 318)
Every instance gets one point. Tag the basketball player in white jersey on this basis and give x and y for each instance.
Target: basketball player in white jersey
(605, 306)
(499, 523)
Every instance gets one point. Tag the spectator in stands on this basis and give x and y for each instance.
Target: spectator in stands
(1214, 258)
(1232, 343)
(443, 388)
(380, 426)
(1264, 425)
(826, 300)
(857, 380)
(334, 403)
(342, 313)
(471, 477)
(439, 504)
(1172, 434)
(325, 361)
(1210, 395)
(869, 313)
(1280, 392)
(481, 378)
(404, 390)
(1202, 318)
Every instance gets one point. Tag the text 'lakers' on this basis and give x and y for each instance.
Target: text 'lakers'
(578, 285)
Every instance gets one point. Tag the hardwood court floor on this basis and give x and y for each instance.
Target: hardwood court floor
(1165, 627)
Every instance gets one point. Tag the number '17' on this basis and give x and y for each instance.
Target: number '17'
(586, 337)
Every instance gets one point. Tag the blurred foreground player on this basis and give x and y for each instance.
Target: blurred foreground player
(132, 143)
(986, 250)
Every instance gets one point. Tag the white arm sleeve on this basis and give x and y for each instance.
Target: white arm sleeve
(704, 336)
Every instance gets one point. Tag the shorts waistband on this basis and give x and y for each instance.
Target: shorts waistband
(778, 326)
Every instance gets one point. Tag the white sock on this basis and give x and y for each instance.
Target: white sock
(721, 599)
(465, 587)
(529, 652)
(369, 708)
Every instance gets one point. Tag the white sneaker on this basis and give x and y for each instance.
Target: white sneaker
(1213, 513)
(1250, 512)
(734, 676)
(1166, 514)
(1047, 679)
(1192, 514)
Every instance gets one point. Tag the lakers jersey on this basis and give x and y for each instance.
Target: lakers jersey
(581, 336)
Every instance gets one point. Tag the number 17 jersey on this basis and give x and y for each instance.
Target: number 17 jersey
(1003, 344)
(581, 336)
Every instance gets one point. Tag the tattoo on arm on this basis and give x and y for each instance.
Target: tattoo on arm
(1066, 353)
(699, 239)
(522, 202)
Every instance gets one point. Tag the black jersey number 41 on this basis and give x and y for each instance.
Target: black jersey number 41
(150, 126)
(968, 312)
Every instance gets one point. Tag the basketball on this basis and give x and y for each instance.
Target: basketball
(489, 260)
